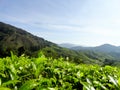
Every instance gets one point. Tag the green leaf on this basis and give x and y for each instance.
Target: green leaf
(10, 82)
(119, 81)
(0, 82)
(99, 84)
(4, 88)
(12, 56)
(29, 85)
(113, 80)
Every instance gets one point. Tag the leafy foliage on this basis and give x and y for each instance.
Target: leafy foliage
(25, 73)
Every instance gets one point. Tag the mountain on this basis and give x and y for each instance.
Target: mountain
(67, 45)
(107, 48)
(102, 48)
(77, 48)
(19, 41)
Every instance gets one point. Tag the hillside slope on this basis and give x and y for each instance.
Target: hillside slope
(19, 41)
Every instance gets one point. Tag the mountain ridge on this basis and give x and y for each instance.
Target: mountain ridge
(101, 48)
(67, 45)
(21, 42)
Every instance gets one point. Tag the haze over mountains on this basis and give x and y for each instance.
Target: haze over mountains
(109, 49)
(67, 45)
(101, 48)
(21, 42)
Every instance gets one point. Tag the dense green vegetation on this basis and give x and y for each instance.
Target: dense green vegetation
(41, 73)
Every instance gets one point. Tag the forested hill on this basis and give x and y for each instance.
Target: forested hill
(19, 41)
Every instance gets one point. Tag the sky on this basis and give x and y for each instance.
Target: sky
(81, 22)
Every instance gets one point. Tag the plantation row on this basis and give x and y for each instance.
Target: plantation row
(24, 73)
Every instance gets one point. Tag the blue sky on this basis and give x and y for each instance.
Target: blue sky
(82, 22)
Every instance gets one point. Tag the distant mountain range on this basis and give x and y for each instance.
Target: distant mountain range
(67, 45)
(102, 48)
(109, 49)
(21, 42)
